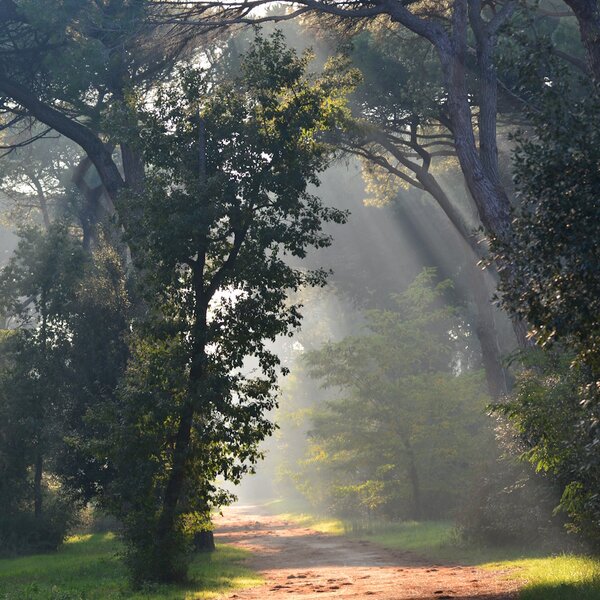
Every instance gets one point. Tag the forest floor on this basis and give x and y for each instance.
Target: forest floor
(297, 561)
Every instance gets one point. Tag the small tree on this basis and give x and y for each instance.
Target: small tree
(36, 292)
(225, 213)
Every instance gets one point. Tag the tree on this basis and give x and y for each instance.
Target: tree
(402, 384)
(554, 285)
(553, 426)
(400, 131)
(226, 211)
(34, 383)
(67, 309)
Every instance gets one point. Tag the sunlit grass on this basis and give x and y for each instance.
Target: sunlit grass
(412, 535)
(565, 577)
(322, 525)
(88, 568)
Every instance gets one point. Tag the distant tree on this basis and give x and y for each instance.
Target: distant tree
(71, 67)
(225, 213)
(405, 420)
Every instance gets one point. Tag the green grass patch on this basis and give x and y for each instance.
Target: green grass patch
(566, 577)
(87, 567)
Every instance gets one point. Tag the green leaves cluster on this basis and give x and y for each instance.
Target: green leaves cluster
(553, 258)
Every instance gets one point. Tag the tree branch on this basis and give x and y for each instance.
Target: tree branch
(97, 151)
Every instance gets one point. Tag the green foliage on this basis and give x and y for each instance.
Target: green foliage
(553, 249)
(401, 78)
(510, 505)
(52, 291)
(34, 183)
(549, 415)
(32, 389)
(408, 422)
(21, 531)
(551, 259)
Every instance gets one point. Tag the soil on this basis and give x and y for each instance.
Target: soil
(298, 562)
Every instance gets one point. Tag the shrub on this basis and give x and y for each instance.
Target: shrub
(22, 532)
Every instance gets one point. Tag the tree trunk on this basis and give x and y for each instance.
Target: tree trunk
(415, 484)
(485, 328)
(37, 485)
(587, 13)
(176, 481)
(42, 200)
(177, 476)
(202, 298)
(497, 378)
(490, 198)
(204, 541)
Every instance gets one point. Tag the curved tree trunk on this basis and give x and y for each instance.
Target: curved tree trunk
(485, 328)
(587, 13)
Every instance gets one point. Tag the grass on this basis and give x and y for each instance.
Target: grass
(88, 568)
(565, 577)
(562, 577)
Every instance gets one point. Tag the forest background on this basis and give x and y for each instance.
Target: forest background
(178, 187)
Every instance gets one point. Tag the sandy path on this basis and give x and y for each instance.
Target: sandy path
(299, 562)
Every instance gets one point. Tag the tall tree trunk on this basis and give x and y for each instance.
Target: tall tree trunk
(490, 198)
(202, 298)
(176, 481)
(414, 482)
(37, 484)
(485, 328)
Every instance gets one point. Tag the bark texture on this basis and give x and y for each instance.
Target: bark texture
(588, 18)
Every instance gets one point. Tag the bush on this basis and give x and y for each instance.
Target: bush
(511, 505)
(21, 532)
(556, 419)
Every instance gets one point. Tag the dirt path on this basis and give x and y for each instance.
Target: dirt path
(299, 562)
